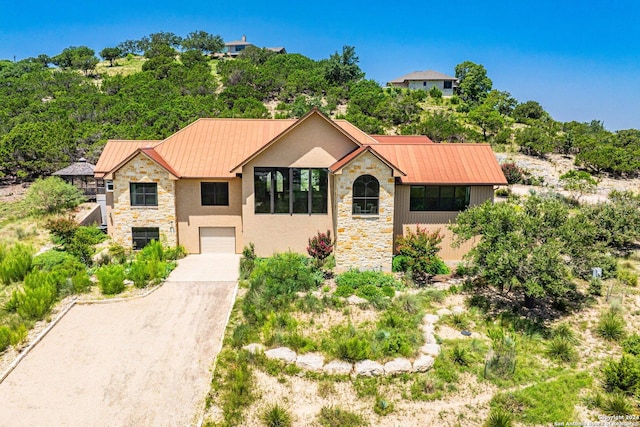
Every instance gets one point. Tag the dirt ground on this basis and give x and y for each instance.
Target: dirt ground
(144, 362)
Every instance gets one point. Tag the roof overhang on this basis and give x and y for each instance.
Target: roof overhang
(150, 153)
(338, 166)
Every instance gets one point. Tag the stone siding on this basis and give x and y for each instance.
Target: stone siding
(123, 216)
(364, 241)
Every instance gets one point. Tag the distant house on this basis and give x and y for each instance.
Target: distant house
(426, 80)
(220, 184)
(234, 48)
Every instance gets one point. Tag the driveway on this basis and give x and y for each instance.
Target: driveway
(143, 362)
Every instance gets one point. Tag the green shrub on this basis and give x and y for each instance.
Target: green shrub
(332, 416)
(503, 192)
(611, 326)
(5, 337)
(248, 261)
(595, 286)
(39, 293)
(499, 417)
(111, 279)
(138, 273)
(421, 251)
(118, 253)
(564, 331)
(617, 404)
(52, 194)
(62, 229)
(371, 285)
(276, 416)
(16, 262)
(631, 345)
(561, 349)
(460, 355)
(81, 282)
(152, 251)
(347, 343)
(627, 277)
(53, 259)
(382, 406)
(175, 253)
(83, 241)
(622, 375)
(399, 263)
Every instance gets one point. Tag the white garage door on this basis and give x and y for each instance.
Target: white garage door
(217, 240)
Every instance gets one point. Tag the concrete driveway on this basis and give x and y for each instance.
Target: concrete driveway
(143, 362)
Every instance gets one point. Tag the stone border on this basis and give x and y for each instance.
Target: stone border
(54, 322)
(314, 362)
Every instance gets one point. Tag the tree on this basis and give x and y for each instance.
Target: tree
(530, 110)
(579, 182)
(489, 120)
(111, 54)
(343, 68)
(441, 126)
(534, 141)
(473, 83)
(203, 41)
(52, 194)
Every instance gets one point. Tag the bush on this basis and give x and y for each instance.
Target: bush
(365, 283)
(248, 261)
(175, 253)
(111, 279)
(611, 326)
(118, 253)
(503, 192)
(382, 406)
(622, 375)
(627, 277)
(52, 194)
(561, 349)
(152, 251)
(320, 246)
(5, 337)
(331, 416)
(421, 249)
(461, 355)
(53, 260)
(595, 286)
(62, 229)
(276, 416)
(39, 293)
(399, 263)
(138, 273)
(15, 263)
(617, 404)
(499, 417)
(632, 345)
(81, 282)
(513, 173)
(83, 241)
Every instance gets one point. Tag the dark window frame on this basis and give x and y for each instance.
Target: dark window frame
(447, 84)
(144, 236)
(215, 194)
(439, 198)
(278, 193)
(367, 201)
(145, 193)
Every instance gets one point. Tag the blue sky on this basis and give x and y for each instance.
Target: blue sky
(580, 60)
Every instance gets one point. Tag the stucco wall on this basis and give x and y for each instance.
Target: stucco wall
(364, 241)
(191, 215)
(433, 221)
(122, 216)
(314, 144)
(429, 84)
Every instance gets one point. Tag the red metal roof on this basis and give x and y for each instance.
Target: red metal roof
(115, 152)
(402, 139)
(444, 163)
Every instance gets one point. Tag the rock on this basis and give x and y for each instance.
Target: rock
(254, 348)
(281, 353)
(368, 368)
(423, 363)
(430, 318)
(310, 362)
(429, 339)
(428, 328)
(458, 310)
(397, 366)
(128, 282)
(338, 367)
(444, 312)
(301, 294)
(356, 300)
(430, 349)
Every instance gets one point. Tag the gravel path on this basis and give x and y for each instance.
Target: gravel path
(144, 362)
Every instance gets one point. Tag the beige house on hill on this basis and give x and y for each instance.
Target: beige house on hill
(425, 80)
(219, 184)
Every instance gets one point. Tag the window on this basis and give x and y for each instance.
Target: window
(439, 198)
(448, 84)
(144, 193)
(366, 193)
(290, 190)
(142, 236)
(214, 193)
(424, 83)
(108, 185)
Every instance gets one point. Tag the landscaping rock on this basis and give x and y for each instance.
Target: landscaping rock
(301, 294)
(338, 367)
(423, 363)
(429, 338)
(254, 348)
(430, 349)
(281, 353)
(128, 282)
(397, 366)
(310, 362)
(428, 328)
(368, 368)
(430, 318)
(356, 300)
(444, 312)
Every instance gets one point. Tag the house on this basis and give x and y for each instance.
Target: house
(234, 48)
(425, 80)
(219, 184)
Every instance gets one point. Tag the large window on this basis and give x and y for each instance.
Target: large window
(448, 84)
(144, 193)
(291, 190)
(142, 236)
(366, 194)
(439, 198)
(214, 193)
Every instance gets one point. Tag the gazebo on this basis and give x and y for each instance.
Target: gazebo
(80, 174)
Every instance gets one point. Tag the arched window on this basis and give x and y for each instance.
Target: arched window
(366, 193)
